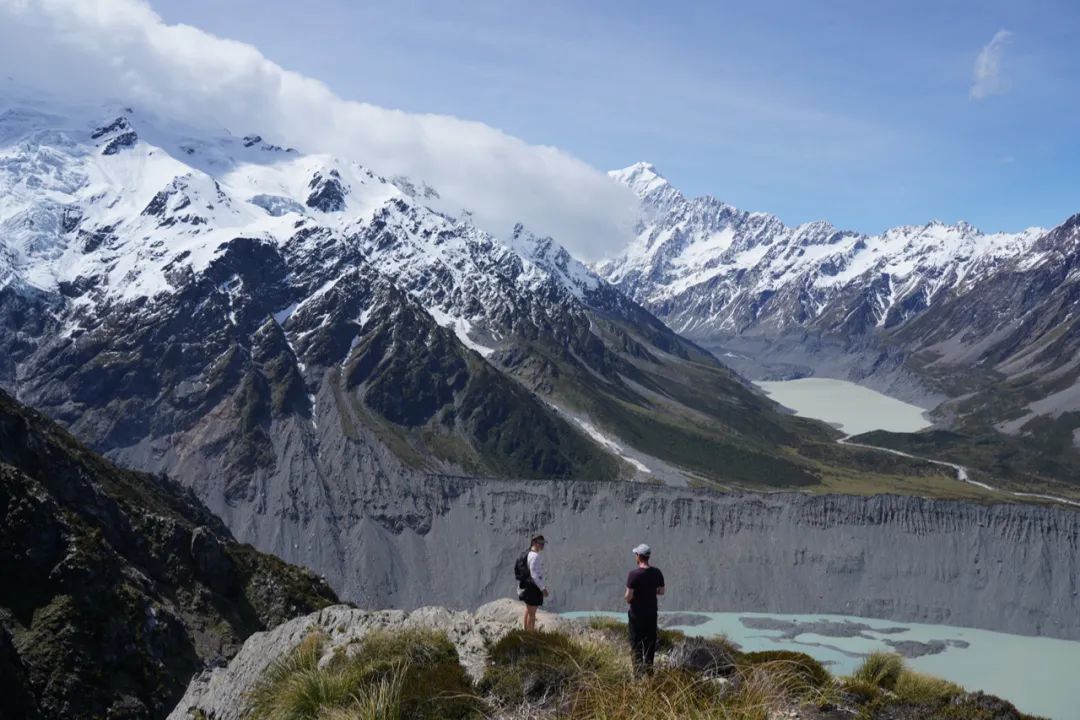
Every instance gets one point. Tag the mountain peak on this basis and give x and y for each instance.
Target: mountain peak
(642, 177)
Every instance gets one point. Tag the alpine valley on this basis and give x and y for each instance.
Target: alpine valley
(370, 387)
(983, 328)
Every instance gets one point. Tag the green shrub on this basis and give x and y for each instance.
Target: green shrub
(801, 674)
(862, 692)
(667, 639)
(916, 688)
(606, 623)
(380, 701)
(529, 666)
(666, 695)
(411, 675)
(435, 686)
(293, 688)
(880, 669)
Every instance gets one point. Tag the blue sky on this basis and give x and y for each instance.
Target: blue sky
(862, 113)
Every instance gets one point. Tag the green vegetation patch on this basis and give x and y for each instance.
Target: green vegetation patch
(529, 666)
(883, 687)
(800, 674)
(410, 675)
(880, 670)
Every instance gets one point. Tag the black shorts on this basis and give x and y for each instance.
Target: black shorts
(530, 594)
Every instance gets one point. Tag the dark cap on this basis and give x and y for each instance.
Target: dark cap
(537, 539)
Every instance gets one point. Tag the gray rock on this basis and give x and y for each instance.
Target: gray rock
(221, 693)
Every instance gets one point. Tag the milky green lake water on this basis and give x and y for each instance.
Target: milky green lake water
(1036, 674)
(854, 408)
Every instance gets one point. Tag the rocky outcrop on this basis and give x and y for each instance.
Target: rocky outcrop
(221, 693)
(115, 586)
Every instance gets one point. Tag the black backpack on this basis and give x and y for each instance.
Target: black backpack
(521, 569)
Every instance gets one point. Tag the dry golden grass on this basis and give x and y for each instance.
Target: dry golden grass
(415, 675)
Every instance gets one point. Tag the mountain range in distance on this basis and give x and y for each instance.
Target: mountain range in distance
(983, 328)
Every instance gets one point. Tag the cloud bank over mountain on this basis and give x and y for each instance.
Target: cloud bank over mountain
(88, 50)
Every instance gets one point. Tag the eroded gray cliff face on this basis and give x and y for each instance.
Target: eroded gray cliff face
(403, 540)
(1004, 567)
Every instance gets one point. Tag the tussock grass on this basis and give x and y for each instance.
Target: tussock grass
(881, 670)
(293, 688)
(757, 693)
(380, 701)
(526, 667)
(803, 675)
(667, 694)
(917, 688)
(606, 623)
(861, 691)
(414, 675)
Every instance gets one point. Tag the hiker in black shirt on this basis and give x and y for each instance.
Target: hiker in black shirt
(642, 586)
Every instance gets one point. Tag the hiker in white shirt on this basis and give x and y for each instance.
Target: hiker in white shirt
(535, 589)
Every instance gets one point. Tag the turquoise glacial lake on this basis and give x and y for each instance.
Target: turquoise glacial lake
(1037, 674)
(853, 408)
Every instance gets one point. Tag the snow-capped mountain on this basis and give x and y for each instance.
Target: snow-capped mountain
(709, 269)
(284, 331)
(983, 323)
(117, 225)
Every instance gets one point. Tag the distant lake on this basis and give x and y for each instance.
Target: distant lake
(1034, 673)
(854, 408)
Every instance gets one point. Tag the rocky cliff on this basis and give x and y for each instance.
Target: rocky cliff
(115, 586)
(452, 542)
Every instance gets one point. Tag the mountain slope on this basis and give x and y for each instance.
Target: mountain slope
(927, 313)
(118, 586)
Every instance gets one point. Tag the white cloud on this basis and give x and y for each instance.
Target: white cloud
(987, 78)
(92, 50)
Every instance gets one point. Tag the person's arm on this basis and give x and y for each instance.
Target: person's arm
(660, 588)
(536, 569)
(629, 595)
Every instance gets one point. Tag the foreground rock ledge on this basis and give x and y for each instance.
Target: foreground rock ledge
(221, 693)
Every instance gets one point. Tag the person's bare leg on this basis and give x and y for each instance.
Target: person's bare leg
(525, 624)
(530, 618)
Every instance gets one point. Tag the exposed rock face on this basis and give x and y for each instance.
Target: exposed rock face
(221, 693)
(1013, 568)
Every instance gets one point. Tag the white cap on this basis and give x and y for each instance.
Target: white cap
(643, 549)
